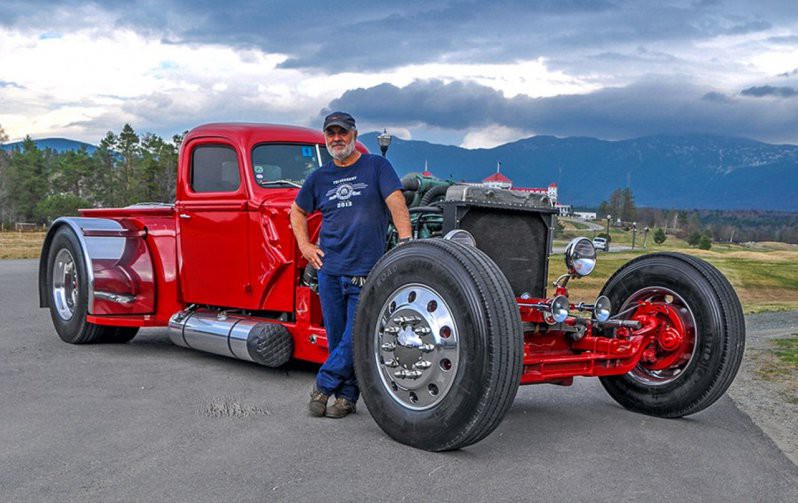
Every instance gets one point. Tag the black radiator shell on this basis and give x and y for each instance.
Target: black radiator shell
(514, 230)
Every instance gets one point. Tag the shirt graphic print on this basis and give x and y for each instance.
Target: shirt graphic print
(345, 190)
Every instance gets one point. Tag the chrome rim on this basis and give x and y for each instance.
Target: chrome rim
(65, 284)
(416, 347)
(641, 373)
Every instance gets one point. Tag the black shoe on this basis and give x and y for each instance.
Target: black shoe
(318, 403)
(341, 408)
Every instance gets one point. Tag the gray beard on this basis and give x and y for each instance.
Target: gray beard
(342, 154)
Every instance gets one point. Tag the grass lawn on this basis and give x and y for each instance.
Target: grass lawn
(20, 244)
(787, 350)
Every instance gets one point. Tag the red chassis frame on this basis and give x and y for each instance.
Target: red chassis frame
(660, 340)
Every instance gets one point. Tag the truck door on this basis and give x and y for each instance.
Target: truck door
(212, 226)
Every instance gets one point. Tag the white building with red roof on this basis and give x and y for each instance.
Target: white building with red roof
(500, 181)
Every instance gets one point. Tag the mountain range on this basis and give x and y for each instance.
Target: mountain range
(695, 171)
(57, 144)
(691, 171)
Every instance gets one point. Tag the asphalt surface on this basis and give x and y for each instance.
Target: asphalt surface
(148, 421)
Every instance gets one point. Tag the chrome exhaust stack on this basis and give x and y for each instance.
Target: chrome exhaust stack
(234, 335)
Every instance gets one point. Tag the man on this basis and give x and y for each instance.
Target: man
(356, 194)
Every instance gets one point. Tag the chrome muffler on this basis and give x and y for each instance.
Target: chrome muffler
(234, 335)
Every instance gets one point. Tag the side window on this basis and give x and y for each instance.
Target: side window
(214, 168)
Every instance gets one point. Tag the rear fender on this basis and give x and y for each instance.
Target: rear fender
(118, 264)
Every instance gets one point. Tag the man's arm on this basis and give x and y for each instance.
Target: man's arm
(399, 214)
(299, 222)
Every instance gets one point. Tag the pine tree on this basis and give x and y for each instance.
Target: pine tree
(26, 180)
(129, 149)
(659, 236)
(104, 180)
(621, 206)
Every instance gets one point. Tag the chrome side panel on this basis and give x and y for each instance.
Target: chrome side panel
(102, 242)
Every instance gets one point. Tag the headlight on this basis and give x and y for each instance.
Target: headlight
(580, 257)
(559, 308)
(461, 236)
(602, 308)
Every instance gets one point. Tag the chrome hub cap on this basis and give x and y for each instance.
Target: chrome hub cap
(65, 284)
(416, 347)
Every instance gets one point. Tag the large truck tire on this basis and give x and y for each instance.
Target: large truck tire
(438, 345)
(685, 378)
(67, 285)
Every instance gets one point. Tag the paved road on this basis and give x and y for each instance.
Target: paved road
(149, 421)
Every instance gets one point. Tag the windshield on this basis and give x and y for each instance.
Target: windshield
(281, 164)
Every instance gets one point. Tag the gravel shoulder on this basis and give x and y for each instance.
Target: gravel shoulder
(771, 403)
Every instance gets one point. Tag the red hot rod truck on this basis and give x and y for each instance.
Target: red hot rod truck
(448, 325)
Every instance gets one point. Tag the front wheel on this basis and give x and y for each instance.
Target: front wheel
(698, 347)
(438, 345)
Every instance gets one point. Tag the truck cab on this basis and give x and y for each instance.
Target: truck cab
(226, 242)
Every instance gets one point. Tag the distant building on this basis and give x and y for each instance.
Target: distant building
(500, 181)
(585, 215)
(426, 171)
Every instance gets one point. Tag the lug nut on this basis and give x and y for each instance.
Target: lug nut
(408, 374)
(426, 348)
(388, 346)
(391, 363)
(423, 364)
(422, 330)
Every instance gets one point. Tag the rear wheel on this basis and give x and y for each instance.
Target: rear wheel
(697, 350)
(67, 286)
(438, 345)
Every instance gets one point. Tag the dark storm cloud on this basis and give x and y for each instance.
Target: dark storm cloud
(367, 34)
(764, 91)
(645, 108)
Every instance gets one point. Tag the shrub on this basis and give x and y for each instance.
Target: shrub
(58, 205)
(705, 243)
(694, 238)
(659, 236)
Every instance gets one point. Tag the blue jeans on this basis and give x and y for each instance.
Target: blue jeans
(338, 303)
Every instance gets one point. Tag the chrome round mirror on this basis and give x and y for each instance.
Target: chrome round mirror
(461, 236)
(580, 257)
(560, 308)
(602, 308)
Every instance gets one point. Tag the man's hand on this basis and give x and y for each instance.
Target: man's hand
(299, 222)
(312, 254)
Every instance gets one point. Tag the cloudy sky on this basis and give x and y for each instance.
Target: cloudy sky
(470, 73)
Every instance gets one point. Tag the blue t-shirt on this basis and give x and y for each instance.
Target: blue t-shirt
(354, 216)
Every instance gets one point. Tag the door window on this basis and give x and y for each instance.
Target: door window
(214, 168)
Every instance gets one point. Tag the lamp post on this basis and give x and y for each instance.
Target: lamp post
(645, 236)
(634, 233)
(385, 141)
(609, 217)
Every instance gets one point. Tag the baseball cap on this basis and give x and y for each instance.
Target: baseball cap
(341, 119)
